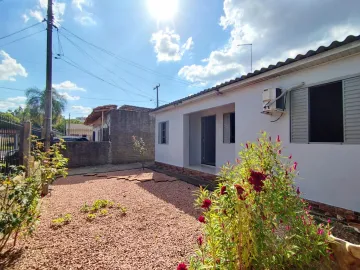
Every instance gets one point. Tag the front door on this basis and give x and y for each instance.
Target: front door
(208, 140)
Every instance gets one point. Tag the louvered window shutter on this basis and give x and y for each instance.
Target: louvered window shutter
(159, 133)
(299, 115)
(351, 89)
(167, 132)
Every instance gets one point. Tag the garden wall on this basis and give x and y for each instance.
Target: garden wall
(87, 153)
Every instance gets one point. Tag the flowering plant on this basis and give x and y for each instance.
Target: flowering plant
(256, 219)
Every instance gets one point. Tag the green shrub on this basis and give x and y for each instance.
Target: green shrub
(90, 217)
(255, 219)
(61, 221)
(104, 212)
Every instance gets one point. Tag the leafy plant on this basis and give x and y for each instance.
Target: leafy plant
(62, 220)
(98, 204)
(90, 217)
(139, 146)
(255, 219)
(85, 208)
(20, 195)
(122, 209)
(104, 212)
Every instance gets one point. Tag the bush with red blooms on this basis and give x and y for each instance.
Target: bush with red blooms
(255, 219)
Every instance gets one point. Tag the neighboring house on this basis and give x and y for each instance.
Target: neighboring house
(100, 121)
(80, 130)
(119, 125)
(320, 124)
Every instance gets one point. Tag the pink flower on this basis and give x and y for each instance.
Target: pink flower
(320, 231)
(278, 138)
(182, 266)
(295, 165)
(257, 180)
(298, 191)
(328, 221)
(288, 227)
(290, 157)
(202, 219)
(223, 190)
(206, 204)
(200, 240)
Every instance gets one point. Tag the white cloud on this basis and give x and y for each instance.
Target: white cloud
(69, 97)
(69, 86)
(39, 11)
(86, 19)
(81, 109)
(277, 31)
(80, 3)
(167, 45)
(12, 103)
(25, 17)
(10, 68)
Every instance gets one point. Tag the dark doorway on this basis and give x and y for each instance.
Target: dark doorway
(208, 140)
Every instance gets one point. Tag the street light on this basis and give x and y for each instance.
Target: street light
(248, 44)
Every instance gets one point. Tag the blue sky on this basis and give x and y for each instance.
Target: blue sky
(184, 45)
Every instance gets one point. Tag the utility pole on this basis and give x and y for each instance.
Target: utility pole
(48, 90)
(249, 44)
(157, 94)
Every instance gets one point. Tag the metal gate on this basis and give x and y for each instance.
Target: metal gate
(9, 142)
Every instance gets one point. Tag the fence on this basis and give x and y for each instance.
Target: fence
(9, 142)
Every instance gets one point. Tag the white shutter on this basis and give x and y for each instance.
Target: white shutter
(299, 115)
(351, 88)
(226, 128)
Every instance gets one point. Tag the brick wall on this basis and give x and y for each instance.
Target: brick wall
(87, 153)
(123, 125)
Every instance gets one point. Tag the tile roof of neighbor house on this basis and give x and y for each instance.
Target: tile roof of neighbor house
(134, 108)
(96, 113)
(321, 49)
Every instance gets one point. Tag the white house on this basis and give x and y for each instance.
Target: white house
(320, 124)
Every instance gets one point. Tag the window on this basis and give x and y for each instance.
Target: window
(229, 128)
(327, 113)
(163, 133)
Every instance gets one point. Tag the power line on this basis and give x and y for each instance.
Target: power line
(100, 64)
(93, 98)
(75, 65)
(20, 30)
(139, 66)
(22, 38)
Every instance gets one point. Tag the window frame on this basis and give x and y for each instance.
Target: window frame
(231, 136)
(163, 132)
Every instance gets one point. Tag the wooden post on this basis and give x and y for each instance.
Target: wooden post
(25, 153)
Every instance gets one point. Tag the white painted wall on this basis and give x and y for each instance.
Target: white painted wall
(329, 173)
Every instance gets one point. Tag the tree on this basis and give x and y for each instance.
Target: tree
(36, 104)
(22, 114)
(63, 122)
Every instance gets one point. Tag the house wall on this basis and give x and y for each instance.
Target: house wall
(124, 125)
(328, 172)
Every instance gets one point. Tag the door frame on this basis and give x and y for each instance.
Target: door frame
(203, 142)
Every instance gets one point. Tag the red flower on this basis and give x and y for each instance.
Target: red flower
(298, 191)
(288, 227)
(223, 190)
(240, 192)
(182, 266)
(290, 157)
(295, 165)
(257, 180)
(278, 138)
(279, 152)
(202, 219)
(206, 204)
(281, 221)
(247, 146)
(200, 240)
(320, 231)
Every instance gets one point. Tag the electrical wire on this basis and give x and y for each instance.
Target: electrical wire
(100, 64)
(93, 98)
(22, 38)
(21, 30)
(132, 63)
(75, 65)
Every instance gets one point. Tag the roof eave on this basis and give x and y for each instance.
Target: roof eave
(318, 59)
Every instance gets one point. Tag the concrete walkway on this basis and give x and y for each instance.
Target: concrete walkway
(106, 168)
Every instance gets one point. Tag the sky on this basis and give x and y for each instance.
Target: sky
(117, 51)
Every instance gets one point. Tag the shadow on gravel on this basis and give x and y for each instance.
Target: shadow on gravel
(177, 193)
(10, 257)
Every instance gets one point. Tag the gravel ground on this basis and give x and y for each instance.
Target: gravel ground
(158, 231)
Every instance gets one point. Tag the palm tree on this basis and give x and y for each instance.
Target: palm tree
(36, 105)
